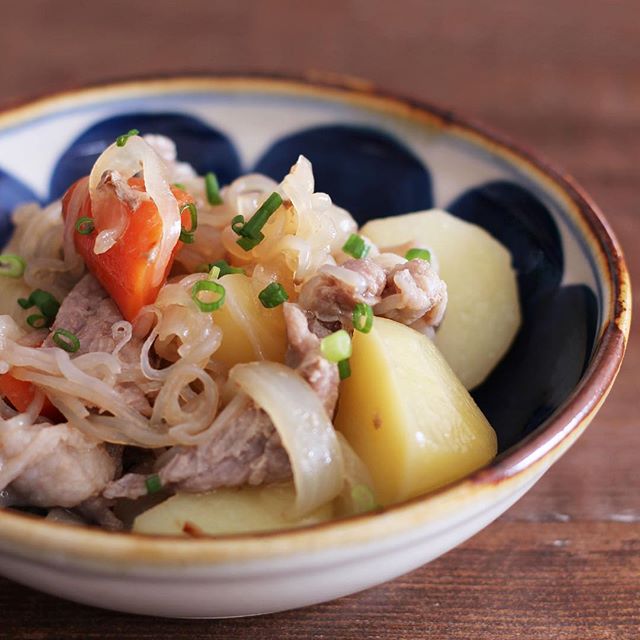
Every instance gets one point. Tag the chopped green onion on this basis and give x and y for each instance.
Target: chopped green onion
(66, 340)
(344, 369)
(122, 140)
(153, 483)
(225, 268)
(336, 347)
(214, 273)
(363, 498)
(38, 321)
(179, 185)
(249, 243)
(47, 304)
(84, 226)
(187, 235)
(356, 247)
(362, 317)
(212, 188)
(273, 295)
(237, 223)
(419, 254)
(11, 265)
(208, 287)
(251, 231)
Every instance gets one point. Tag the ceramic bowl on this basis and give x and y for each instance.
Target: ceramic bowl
(376, 155)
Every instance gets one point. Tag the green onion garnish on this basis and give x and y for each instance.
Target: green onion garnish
(208, 287)
(251, 231)
(272, 295)
(179, 185)
(84, 226)
(225, 268)
(11, 265)
(47, 304)
(249, 243)
(66, 340)
(122, 140)
(237, 223)
(362, 317)
(336, 347)
(187, 235)
(363, 498)
(38, 321)
(214, 273)
(153, 483)
(418, 254)
(212, 188)
(356, 247)
(344, 369)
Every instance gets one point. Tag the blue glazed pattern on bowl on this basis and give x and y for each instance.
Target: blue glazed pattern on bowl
(372, 168)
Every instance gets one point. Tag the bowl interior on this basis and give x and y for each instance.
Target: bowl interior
(373, 158)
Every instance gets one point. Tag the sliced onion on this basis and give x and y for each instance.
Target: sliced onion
(352, 279)
(298, 185)
(136, 156)
(303, 426)
(356, 476)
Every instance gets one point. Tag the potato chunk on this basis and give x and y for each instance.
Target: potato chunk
(249, 331)
(407, 416)
(227, 511)
(483, 313)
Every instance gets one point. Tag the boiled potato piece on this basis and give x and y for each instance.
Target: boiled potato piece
(407, 416)
(483, 312)
(249, 331)
(227, 511)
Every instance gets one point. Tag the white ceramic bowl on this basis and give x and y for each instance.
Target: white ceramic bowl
(393, 155)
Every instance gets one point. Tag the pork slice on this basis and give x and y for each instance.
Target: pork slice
(89, 313)
(304, 355)
(414, 295)
(332, 294)
(245, 447)
(55, 465)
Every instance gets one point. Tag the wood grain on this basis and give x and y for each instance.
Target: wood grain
(563, 77)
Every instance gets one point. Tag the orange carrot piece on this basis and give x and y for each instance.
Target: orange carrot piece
(20, 394)
(126, 269)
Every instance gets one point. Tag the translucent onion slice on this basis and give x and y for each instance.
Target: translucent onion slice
(132, 158)
(357, 482)
(351, 278)
(303, 426)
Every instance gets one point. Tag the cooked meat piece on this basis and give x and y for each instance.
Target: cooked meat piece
(414, 294)
(97, 510)
(304, 356)
(332, 294)
(245, 450)
(408, 292)
(245, 447)
(90, 313)
(55, 465)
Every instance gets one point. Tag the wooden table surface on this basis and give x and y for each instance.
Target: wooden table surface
(562, 76)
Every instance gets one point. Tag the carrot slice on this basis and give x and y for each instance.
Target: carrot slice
(126, 269)
(20, 394)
